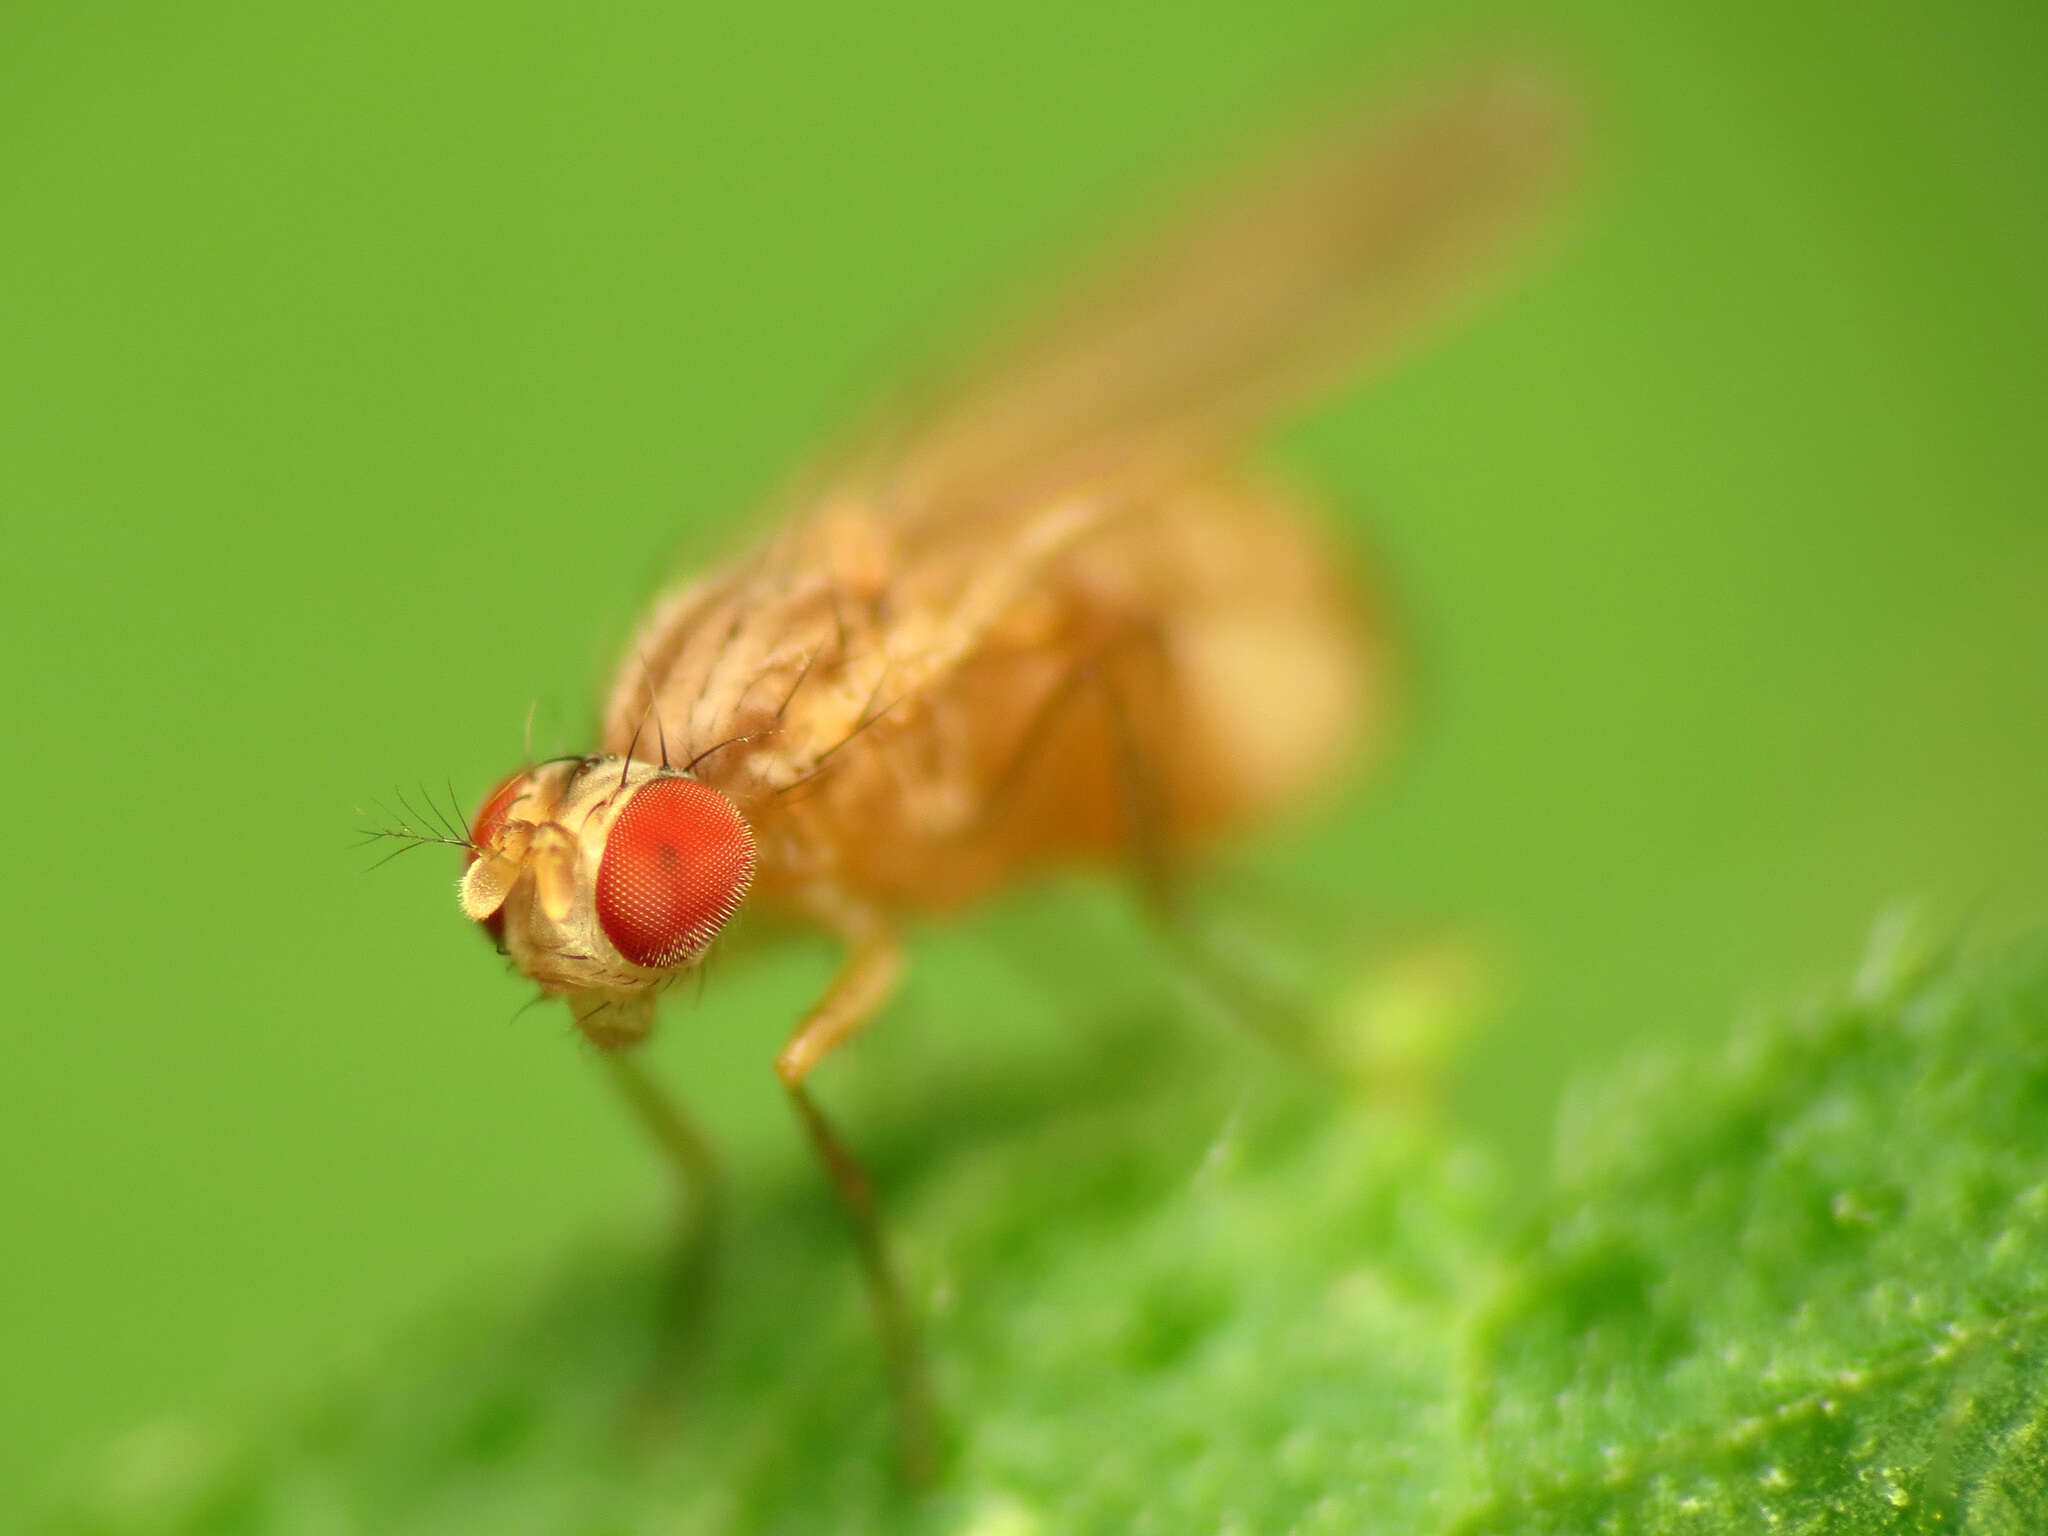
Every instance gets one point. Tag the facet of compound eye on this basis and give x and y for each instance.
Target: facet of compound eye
(676, 862)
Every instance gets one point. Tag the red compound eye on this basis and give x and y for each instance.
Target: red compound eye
(676, 862)
(492, 813)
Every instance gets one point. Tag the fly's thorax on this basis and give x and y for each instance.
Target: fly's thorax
(602, 878)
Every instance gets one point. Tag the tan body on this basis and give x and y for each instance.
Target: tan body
(1046, 616)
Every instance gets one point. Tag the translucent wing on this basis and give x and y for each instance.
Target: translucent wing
(1312, 269)
(901, 556)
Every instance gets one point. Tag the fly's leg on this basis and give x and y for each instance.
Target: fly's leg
(1142, 805)
(856, 995)
(689, 1158)
(1140, 798)
(1142, 802)
(684, 1148)
(1396, 1030)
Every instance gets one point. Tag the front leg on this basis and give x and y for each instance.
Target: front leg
(863, 984)
(688, 1297)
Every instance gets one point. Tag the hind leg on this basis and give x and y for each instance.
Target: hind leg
(1209, 958)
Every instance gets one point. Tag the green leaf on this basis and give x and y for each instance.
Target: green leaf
(1805, 1292)
(1803, 1288)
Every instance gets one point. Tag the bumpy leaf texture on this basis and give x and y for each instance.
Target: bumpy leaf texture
(1800, 1288)
(1807, 1291)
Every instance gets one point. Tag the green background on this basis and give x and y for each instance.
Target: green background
(361, 369)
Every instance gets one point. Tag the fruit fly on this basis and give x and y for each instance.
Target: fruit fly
(1047, 617)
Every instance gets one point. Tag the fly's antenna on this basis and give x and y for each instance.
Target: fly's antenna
(404, 831)
(527, 736)
(449, 827)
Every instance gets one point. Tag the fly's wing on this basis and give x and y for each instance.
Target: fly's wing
(1314, 269)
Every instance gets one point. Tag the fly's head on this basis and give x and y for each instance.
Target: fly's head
(603, 879)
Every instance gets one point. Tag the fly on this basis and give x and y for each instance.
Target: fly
(1048, 618)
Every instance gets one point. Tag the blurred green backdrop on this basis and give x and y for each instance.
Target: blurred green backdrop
(360, 368)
